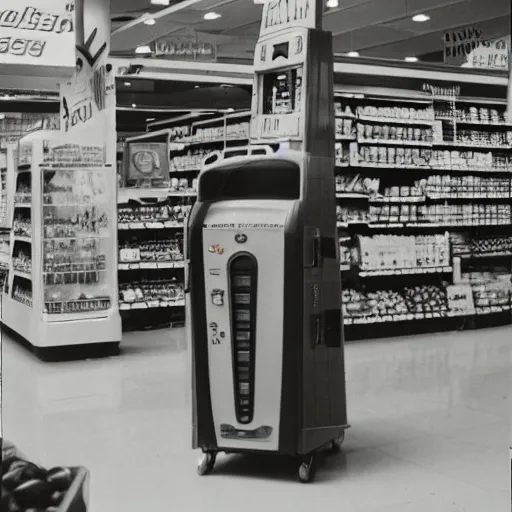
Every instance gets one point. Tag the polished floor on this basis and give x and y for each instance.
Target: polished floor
(430, 429)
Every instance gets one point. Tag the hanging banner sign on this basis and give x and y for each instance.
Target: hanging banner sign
(37, 37)
(469, 47)
(282, 14)
(192, 47)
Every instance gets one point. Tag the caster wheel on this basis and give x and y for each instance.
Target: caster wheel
(337, 443)
(206, 463)
(307, 470)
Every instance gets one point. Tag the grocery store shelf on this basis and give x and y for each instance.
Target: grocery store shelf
(405, 271)
(499, 124)
(22, 205)
(151, 304)
(396, 120)
(349, 224)
(150, 225)
(19, 238)
(351, 195)
(23, 275)
(483, 255)
(124, 195)
(470, 145)
(403, 318)
(347, 138)
(143, 265)
(390, 142)
(426, 168)
(490, 310)
(404, 199)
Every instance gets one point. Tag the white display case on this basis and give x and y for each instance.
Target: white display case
(62, 288)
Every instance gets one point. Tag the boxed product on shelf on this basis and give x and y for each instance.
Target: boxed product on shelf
(153, 293)
(393, 133)
(467, 187)
(29, 486)
(395, 112)
(151, 251)
(404, 252)
(351, 215)
(357, 185)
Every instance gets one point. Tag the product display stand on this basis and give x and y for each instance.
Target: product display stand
(61, 291)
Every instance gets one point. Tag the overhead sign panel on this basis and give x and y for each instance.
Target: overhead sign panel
(37, 38)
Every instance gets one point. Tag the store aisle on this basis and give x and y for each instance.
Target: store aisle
(429, 417)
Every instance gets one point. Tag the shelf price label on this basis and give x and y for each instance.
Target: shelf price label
(127, 255)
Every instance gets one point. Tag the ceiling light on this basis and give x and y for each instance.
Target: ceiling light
(332, 3)
(353, 54)
(149, 119)
(212, 16)
(196, 86)
(421, 18)
(160, 2)
(150, 21)
(411, 59)
(127, 84)
(230, 109)
(134, 105)
(143, 49)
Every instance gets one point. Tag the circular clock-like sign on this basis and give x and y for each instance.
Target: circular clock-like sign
(145, 161)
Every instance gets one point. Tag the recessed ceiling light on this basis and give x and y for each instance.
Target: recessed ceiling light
(160, 2)
(411, 59)
(353, 54)
(421, 18)
(127, 84)
(212, 16)
(134, 105)
(150, 21)
(332, 3)
(143, 49)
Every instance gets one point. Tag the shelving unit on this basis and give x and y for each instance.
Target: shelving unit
(414, 174)
(152, 211)
(63, 246)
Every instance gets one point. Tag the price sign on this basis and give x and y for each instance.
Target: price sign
(460, 299)
(276, 126)
(127, 255)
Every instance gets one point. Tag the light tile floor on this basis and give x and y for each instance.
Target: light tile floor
(430, 429)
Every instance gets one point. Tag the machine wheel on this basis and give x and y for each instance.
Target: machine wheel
(337, 443)
(307, 470)
(206, 463)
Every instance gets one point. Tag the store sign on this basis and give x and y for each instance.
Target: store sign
(88, 97)
(283, 14)
(37, 34)
(277, 126)
(470, 48)
(185, 48)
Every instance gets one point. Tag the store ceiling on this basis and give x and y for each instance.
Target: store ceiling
(375, 28)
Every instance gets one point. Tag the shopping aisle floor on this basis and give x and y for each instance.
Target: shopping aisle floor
(429, 429)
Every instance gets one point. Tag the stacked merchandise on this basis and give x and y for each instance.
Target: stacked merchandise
(151, 221)
(412, 166)
(151, 261)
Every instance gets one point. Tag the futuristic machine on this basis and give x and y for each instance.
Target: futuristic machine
(263, 281)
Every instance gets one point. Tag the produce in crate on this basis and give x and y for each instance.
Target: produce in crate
(27, 486)
(426, 299)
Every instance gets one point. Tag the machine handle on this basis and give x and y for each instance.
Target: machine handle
(317, 250)
(317, 330)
